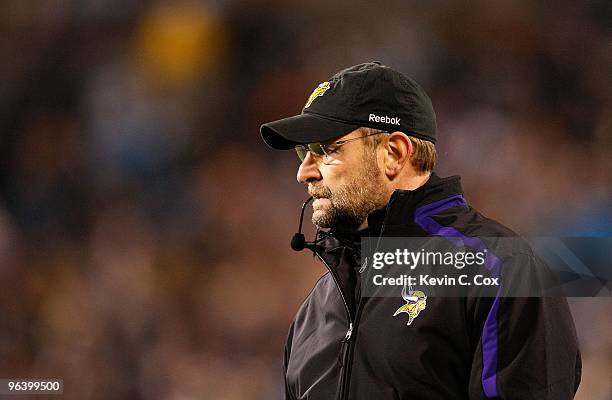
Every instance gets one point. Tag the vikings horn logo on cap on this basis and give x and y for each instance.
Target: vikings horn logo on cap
(319, 91)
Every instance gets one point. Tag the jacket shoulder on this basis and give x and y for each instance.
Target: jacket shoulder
(472, 222)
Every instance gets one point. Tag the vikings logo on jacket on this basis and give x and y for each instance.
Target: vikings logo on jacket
(416, 301)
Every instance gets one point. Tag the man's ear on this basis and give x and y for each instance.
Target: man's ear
(398, 150)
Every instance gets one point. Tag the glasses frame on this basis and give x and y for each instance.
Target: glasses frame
(321, 149)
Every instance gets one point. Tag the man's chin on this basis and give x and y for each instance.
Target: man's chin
(326, 220)
(320, 219)
(321, 202)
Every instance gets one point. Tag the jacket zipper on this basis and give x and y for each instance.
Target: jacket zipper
(346, 341)
(347, 361)
(345, 375)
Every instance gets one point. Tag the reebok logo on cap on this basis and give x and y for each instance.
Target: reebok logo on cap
(385, 120)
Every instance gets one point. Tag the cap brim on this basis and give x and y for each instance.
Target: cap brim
(285, 133)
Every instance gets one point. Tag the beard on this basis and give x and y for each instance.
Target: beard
(348, 206)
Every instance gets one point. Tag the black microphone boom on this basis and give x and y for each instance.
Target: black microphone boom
(298, 242)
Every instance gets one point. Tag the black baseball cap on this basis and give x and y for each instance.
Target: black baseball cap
(369, 95)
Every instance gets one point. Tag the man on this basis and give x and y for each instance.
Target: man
(366, 139)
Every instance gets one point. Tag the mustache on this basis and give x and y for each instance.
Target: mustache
(319, 191)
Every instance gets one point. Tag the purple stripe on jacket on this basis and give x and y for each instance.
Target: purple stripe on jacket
(423, 217)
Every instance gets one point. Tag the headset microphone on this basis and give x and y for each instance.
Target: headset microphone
(298, 242)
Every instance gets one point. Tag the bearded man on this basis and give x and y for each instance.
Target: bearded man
(366, 140)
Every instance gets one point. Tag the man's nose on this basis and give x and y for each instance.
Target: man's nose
(309, 170)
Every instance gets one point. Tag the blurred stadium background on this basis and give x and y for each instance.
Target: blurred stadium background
(144, 227)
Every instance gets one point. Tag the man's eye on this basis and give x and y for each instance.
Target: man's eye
(330, 148)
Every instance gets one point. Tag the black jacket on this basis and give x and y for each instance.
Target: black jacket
(344, 346)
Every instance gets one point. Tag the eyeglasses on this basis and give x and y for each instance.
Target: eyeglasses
(325, 149)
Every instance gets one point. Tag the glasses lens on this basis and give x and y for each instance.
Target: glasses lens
(316, 148)
(301, 151)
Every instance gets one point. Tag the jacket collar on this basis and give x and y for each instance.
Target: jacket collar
(399, 212)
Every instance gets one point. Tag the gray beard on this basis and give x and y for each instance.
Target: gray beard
(352, 202)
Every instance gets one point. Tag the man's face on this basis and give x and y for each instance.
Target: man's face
(346, 188)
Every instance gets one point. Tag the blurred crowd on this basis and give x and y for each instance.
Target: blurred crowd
(144, 226)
